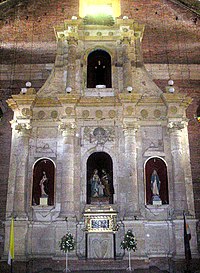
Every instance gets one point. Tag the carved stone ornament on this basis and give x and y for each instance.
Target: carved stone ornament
(21, 127)
(176, 125)
(54, 114)
(67, 128)
(144, 113)
(157, 113)
(26, 112)
(99, 135)
(112, 114)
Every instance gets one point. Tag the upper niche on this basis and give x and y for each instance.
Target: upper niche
(99, 69)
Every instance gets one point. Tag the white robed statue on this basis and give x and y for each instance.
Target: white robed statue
(155, 185)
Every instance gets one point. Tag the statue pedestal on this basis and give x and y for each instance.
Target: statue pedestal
(156, 201)
(44, 201)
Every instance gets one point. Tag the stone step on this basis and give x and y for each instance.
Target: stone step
(150, 270)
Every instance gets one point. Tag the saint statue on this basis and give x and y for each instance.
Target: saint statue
(43, 184)
(95, 182)
(101, 186)
(106, 181)
(155, 183)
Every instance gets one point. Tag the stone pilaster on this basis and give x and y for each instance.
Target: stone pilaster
(138, 51)
(19, 173)
(131, 167)
(187, 171)
(67, 187)
(179, 191)
(71, 67)
(12, 172)
(127, 79)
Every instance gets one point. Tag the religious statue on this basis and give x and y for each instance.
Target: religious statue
(106, 181)
(101, 186)
(95, 183)
(155, 184)
(43, 184)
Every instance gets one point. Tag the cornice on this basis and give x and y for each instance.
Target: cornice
(180, 99)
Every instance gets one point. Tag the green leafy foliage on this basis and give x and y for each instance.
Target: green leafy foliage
(67, 243)
(129, 243)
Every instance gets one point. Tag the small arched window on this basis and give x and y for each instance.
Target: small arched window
(156, 181)
(99, 69)
(43, 181)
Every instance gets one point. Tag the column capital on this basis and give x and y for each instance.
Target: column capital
(67, 128)
(174, 126)
(23, 128)
(130, 128)
(72, 40)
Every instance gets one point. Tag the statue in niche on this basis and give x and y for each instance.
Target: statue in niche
(43, 185)
(101, 187)
(155, 185)
(95, 183)
(106, 181)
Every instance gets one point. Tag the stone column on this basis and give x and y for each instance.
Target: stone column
(131, 167)
(187, 171)
(71, 71)
(20, 192)
(179, 190)
(67, 187)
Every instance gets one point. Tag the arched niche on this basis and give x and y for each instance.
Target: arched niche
(43, 168)
(103, 190)
(99, 69)
(159, 165)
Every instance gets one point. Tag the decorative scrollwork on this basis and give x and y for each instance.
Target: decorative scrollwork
(99, 135)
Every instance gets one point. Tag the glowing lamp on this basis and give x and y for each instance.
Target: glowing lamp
(170, 82)
(23, 90)
(28, 84)
(68, 89)
(171, 89)
(129, 89)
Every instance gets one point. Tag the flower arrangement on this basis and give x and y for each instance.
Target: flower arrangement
(67, 243)
(129, 243)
